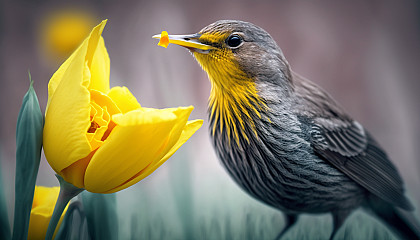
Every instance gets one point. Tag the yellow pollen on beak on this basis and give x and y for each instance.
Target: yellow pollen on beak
(164, 39)
(188, 41)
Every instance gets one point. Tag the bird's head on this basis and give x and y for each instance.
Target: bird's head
(234, 53)
(242, 61)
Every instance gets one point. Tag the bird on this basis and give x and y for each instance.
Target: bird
(285, 141)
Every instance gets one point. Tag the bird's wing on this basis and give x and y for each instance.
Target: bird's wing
(353, 151)
(345, 144)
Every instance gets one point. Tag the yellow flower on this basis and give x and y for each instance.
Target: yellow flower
(62, 31)
(101, 139)
(42, 209)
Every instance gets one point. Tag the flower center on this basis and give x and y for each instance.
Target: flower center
(93, 125)
(101, 125)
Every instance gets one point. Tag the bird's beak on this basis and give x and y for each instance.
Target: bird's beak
(190, 41)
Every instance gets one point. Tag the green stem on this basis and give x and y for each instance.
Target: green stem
(67, 192)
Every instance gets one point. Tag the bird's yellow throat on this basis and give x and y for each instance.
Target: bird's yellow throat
(234, 97)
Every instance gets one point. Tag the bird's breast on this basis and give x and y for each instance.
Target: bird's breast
(235, 110)
(271, 160)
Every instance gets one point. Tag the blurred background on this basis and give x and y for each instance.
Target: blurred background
(365, 53)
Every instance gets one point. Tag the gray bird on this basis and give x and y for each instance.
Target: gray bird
(285, 141)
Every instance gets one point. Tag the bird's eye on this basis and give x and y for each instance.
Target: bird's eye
(234, 41)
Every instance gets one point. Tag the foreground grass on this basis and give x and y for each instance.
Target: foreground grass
(255, 226)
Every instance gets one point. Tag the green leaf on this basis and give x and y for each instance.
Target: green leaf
(29, 128)
(101, 215)
(4, 220)
(72, 225)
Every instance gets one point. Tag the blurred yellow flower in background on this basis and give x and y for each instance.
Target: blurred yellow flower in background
(42, 209)
(101, 139)
(62, 31)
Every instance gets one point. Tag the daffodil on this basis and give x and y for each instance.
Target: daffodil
(99, 138)
(42, 210)
(62, 31)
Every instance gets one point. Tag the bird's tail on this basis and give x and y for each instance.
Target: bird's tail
(402, 222)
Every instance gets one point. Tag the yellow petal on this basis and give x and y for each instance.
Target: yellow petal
(190, 128)
(100, 68)
(38, 225)
(132, 145)
(79, 53)
(45, 196)
(164, 39)
(42, 209)
(104, 100)
(75, 173)
(95, 45)
(182, 114)
(123, 99)
(67, 119)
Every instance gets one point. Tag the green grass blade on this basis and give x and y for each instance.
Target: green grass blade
(28, 152)
(101, 215)
(4, 221)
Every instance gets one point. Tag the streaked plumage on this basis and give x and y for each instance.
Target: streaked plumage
(286, 142)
